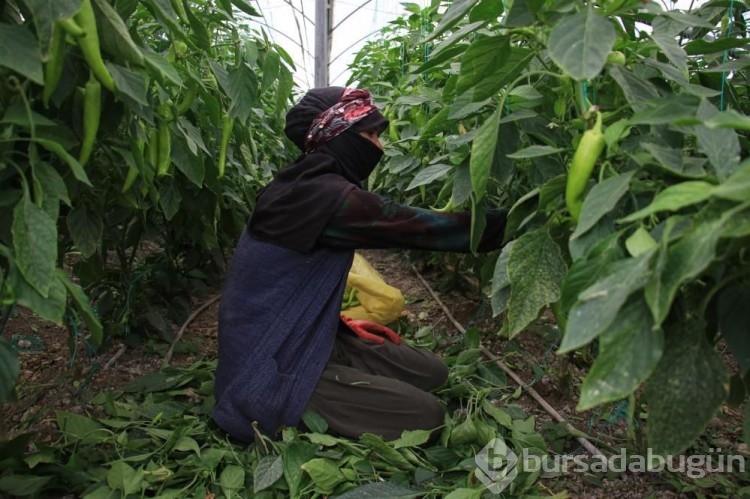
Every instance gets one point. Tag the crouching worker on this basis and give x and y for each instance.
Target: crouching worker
(283, 347)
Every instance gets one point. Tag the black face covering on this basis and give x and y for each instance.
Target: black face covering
(293, 210)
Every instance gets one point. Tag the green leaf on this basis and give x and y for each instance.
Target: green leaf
(485, 53)
(483, 154)
(51, 307)
(113, 33)
(81, 429)
(324, 473)
(81, 301)
(464, 493)
(579, 44)
(686, 389)
(46, 12)
(685, 259)
(35, 244)
(245, 7)
(737, 186)
(379, 490)
(9, 369)
(19, 51)
(86, 228)
(55, 147)
(232, 479)
(455, 12)
(429, 175)
(162, 67)
(720, 145)
(602, 199)
(629, 351)
(671, 160)
(315, 422)
(535, 151)
(664, 38)
(267, 472)
(500, 292)
(16, 114)
(187, 444)
(170, 198)
(674, 198)
(411, 438)
(242, 90)
(121, 476)
(23, 485)
(130, 83)
(536, 271)
(52, 184)
(700, 46)
(640, 242)
(295, 455)
(598, 305)
(734, 323)
(588, 269)
(638, 91)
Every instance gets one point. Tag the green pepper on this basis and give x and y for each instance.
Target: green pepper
(90, 45)
(164, 156)
(226, 133)
(129, 179)
(187, 98)
(92, 111)
(588, 151)
(71, 27)
(54, 65)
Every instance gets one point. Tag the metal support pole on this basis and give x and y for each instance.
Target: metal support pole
(322, 38)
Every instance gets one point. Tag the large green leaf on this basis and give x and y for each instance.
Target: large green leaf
(46, 12)
(121, 476)
(295, 455)
(51, 307)
(86, 228)
(114, 35)
(674, 198)
(483, 154)
(130, 83)
(737, 186)
(482, 58)
(267, 472)
(685, 391)
(588, 269)
(23, 485)
(500, 291)
(35, 244)
(19, 51)
(9, 369)
(629, 351)
(664, 38)
(599, 304)
(602, 199)
(579, 43)
(324, 473)
(685, 259)
(83, 305)
(638, 91)
(455, 12)
(535, 271)
(242, 89)
(232, 480)
(720, 145)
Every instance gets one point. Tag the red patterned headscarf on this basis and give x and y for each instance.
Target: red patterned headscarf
(353, 105)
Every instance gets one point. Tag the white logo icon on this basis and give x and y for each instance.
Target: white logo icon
(497, 465)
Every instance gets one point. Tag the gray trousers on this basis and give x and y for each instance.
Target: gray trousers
(381, 389)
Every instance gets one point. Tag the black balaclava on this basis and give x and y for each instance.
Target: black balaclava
(293, 210)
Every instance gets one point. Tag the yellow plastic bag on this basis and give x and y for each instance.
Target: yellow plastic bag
(377, 301)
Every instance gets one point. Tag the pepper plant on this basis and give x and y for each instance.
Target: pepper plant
(134, 136)
(654, 272)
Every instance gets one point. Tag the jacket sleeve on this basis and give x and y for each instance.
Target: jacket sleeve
(366, 220)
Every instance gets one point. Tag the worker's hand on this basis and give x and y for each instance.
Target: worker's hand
(371, 331)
